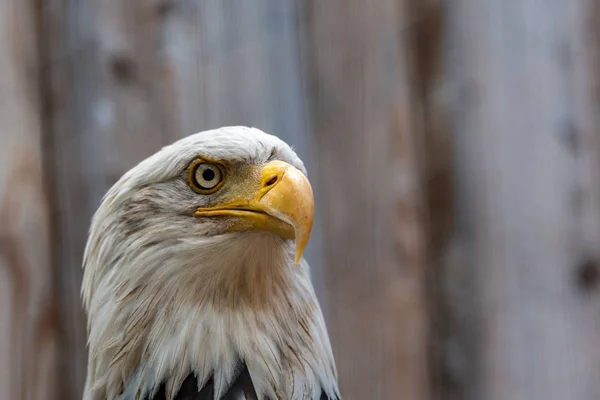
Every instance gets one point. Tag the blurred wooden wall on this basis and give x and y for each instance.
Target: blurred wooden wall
(453, 147)
(29, 321)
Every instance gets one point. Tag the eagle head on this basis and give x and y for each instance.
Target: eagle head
(194, 279)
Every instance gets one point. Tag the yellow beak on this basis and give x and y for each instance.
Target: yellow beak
(283, 205)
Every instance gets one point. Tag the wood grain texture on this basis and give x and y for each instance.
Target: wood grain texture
(374, 244)
(423, 36)
(527, 215)
(28, 318)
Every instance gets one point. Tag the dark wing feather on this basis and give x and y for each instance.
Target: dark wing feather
(189, 389)
(242, 384)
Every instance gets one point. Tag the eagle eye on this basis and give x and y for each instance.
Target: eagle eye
(205, 177)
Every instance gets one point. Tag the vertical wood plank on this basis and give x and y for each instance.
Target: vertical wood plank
(527, 214)
(111, 105)
(423, 35)
(374, 244)
(29, 323)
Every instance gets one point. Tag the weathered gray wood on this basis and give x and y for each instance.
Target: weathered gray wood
(374, 250)
(526, 146)
(28, 318)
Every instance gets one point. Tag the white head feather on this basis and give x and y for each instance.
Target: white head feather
(168, 294)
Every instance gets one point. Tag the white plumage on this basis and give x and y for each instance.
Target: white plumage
(169, 293)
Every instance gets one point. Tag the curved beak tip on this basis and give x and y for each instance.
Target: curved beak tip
(292, 198)
(303, 226)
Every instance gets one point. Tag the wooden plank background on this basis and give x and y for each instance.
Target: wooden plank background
(453, 148)
(29, 323)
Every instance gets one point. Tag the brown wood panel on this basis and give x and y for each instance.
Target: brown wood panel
(28, 317)
(355, 63)
(423, 34)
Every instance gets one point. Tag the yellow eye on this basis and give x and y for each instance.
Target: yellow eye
(205, 177)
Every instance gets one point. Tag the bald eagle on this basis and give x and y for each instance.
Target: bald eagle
(194, 283)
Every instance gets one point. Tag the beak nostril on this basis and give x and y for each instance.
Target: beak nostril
(272, 181)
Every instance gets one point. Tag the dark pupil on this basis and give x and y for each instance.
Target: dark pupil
(208, 174)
